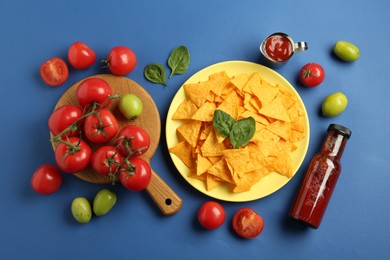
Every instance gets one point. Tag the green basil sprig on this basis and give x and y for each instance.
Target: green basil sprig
(223, 122)
(156, 74)
(240, 132)
(179, 60)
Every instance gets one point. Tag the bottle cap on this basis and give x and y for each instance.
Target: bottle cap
(341, 129)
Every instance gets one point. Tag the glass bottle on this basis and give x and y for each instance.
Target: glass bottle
(320, 178)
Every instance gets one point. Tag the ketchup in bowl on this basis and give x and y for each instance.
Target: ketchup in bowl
(278, 48)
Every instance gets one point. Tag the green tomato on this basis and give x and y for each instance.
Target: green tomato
(334, 104)
(103, 202)
(346, 51)
(130, 106)
(81, 210)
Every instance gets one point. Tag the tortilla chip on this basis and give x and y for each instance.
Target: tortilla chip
(246, 181)
(230, 105)
(202, 164)
(256, 156)
(240, 81)
(185, 110)
(239, 160)
(287, 100)
(253, 83)
(258, 118)
(190, 132)
(296, 136)
(205, 132)
(264, 92)
(248, 104)
(265, 141)
(297, 117)
(276, 110)
(198, 93)
(280, 128)
(211, 146)
(192, 174)
(281, 163)
(205, 112)
(219, 80)
(221, 170)
(181, 151)
(211, 183)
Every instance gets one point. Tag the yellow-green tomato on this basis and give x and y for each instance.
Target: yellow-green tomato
(346, 51)
(130, 106)
(103, 202)
(334, 104)
(81, 210)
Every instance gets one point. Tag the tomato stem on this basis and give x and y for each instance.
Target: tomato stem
(308, 73)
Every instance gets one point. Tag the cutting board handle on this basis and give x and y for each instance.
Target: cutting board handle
(164, 197)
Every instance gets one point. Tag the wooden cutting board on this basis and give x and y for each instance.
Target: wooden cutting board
(165, 198)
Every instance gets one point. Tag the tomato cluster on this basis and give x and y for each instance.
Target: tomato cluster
(120, 61)
(116, 150)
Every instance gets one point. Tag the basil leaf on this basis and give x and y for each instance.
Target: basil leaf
(223, 122)
(155, 73)
(179, 60)
(242, 132)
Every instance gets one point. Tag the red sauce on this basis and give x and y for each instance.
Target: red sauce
(320, 179)
(278, 48)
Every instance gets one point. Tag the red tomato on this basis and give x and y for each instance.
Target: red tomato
(311, 75)
(73, 156)
(106, 159)
(64, 116)
(211, 215)
(101, 127)
(81, 56)
(46, 179)
(93, 90)
(135, 174)
(54, 71)
(247, 223)
(132, 140)
(121, 60)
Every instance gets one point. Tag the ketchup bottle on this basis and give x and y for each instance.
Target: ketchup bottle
(320, 179)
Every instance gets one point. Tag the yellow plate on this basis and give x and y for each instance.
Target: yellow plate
(266, 185)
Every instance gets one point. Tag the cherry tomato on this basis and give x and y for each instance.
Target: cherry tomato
(103, 202)
(101, 127)
(211, 215)
(247, 223)
(46, 179)
(64, 116)
(93, 90)
(105, 160)
(121, 60)
(130, 106)
(346, 51)
(54, 72)
(334, 104)
(74, 156)
(132, 140)
(311, 75)
(81, 210)
(135, 174)
(81, 56)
